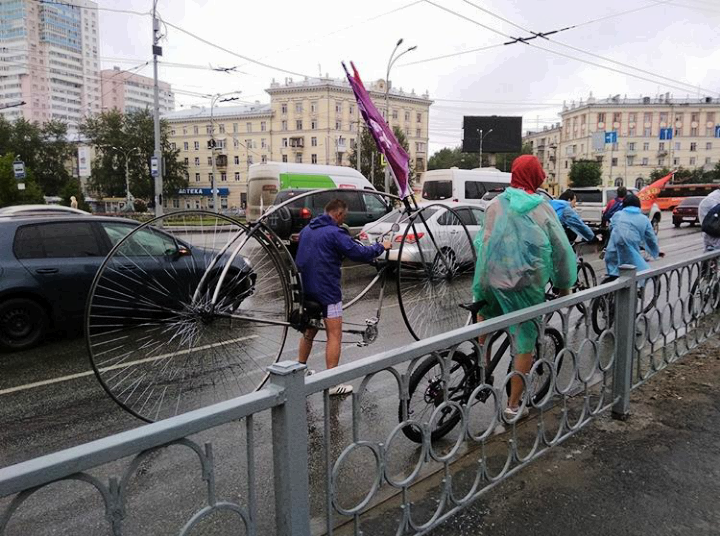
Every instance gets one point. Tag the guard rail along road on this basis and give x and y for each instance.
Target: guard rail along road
(329, 463)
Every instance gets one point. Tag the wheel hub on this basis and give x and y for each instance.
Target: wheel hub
(17, 323)
(434, 392)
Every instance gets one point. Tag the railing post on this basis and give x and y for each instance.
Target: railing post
(290, 451)
(625, 304)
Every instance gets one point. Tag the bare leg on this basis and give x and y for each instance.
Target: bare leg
(306, 343)
(523, 363)
(333, 326)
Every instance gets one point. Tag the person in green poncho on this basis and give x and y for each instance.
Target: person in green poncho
(521, 248)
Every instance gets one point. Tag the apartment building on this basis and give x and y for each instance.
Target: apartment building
(49, 60)
(130, 92)
(312, 122)
(649, 133)
(545, 144)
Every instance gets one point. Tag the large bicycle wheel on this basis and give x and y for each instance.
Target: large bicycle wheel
(436, 262)
(187, 310)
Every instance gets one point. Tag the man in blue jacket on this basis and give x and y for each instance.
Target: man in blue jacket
(322, 246)
(571, 222)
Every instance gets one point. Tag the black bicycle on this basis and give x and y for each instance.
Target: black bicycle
(430, 388)
(603, 308)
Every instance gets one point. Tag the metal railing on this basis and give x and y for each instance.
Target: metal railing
(330, 466)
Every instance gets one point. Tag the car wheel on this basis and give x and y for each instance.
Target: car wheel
(675, 223)
(23, 324)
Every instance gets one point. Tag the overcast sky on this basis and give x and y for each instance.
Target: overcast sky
(676, 39)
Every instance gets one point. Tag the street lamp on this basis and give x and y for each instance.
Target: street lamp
(129, 204)
(391, 62)
(482, 136)
(213, 144)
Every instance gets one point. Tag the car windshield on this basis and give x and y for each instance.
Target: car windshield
(691, 201)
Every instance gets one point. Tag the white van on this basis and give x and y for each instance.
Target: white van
(266, 180)
(462, 185)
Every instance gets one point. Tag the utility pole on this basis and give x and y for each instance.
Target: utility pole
(157, 51)
(480, 133)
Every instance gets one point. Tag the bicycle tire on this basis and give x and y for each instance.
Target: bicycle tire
(435, 268)
(156, 343)
(434, 395)
(586, 279)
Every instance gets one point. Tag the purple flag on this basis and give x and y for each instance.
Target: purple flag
(384, 137)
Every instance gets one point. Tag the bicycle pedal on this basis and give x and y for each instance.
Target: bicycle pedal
(371, 321)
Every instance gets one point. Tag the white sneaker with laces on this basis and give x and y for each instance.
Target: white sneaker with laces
(341, 390)
(511, 414)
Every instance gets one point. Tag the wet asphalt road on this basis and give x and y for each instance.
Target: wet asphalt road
(50, 400)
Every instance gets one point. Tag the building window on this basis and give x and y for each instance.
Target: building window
(678, 117)
(235, 128)
(197, 160)
(249, 144)
(250, 160)
(284, 142)
(692, 161)
(418, 132)
(284, 158)
(313, 107)
(313, 159)
(632, 117)
(631, 131)
(184, 131)
(646, 146)
(263, 143)
(614, 162)
(283, 125)
(209, 129)
(661, 146)
(647, 132)
(298, 124)
(222, 128)
(298, 158)
(197, 145)
(419, 118)
(313, 125)
(694, 116)
(676, 161)
(223, 177)
(197, 177)
(338, 125)
(678, 132)
(407, 116)
(338, 107)
(631, 146)
(661, 162)
(210, 177)
(313, 141)
(263, 159)
(196, 130)
(708, 146)
(186, 146)
(394, 114)
(237, 176)
(708, 160)
(236, 160)
(693, 146)
(645, 161)
(209, 160)
(601, 117)
(630, 160)
(283, 108)
(248, 127)
(186, 161)
(677, 145)
(263, 126)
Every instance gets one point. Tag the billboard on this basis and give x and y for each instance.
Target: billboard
(501, 134)
(84, 161)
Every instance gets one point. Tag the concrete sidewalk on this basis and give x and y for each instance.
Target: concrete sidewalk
(658, 473)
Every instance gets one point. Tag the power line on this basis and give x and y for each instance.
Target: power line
(445, 56)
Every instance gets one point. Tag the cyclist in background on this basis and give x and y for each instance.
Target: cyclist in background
(631, 232)
(565, 209)
(613, 206)
(522, 246)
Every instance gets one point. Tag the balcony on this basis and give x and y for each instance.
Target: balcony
(297, 143)
(221, 161)
(660, 154)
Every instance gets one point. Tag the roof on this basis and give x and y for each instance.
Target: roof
(374, 88)
(196, 114)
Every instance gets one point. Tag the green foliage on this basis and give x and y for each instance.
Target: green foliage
(585, 173)
(72, 188)
(128, 132)
(9, 193)
(371, 163)
(447, 158)
(140, 205)
(688, 176)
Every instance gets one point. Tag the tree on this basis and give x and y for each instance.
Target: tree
(9, 193)
(53, 163)
(72, 188)
(371, 162)
(133, 134)
(447, 158)
(585, 173)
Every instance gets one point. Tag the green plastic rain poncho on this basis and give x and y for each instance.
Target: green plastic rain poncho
(521, 248)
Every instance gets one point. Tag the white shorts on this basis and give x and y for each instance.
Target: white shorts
(333, 310)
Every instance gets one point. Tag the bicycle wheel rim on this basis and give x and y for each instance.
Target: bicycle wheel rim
(435, 272)
(155, 344)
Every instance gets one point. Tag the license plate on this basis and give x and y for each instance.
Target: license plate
(689, 218)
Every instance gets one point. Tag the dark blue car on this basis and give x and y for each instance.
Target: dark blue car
(48, 263)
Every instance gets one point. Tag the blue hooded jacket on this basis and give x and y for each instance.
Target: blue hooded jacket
(570, 219)
(321, 249)
(631, 230)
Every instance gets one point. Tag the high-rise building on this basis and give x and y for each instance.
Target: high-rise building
(49, 60)
(130, 92)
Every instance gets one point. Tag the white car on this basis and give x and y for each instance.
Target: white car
(437, 224)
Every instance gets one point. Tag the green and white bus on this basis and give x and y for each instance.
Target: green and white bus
(266, 180)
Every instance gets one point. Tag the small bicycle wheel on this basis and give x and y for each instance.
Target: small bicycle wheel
(586, 279)
(428, 389)
(602, 313)
(436, 263)
(186, 310)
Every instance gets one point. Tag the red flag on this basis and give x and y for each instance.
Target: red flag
(648, 194)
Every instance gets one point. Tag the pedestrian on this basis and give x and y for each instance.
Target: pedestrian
(73, 202)
(322, 246)
(572, 223)
(631, 233)
(613, 206)
(710, 236)
(522, 246)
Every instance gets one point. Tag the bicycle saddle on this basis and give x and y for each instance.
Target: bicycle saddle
(473, 307)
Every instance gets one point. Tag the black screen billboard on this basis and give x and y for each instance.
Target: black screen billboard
(506, 135)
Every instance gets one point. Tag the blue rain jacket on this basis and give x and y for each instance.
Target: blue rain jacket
(570, 219)
(631, 231)
(321, 249)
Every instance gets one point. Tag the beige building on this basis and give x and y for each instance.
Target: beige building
(545, 144)
(130, 92)
(310, 122)
(642, 126)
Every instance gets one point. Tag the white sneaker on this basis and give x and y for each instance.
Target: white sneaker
(511, 414)
(309, 372)
(341, 390)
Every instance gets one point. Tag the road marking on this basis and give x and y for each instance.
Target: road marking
(70, 377)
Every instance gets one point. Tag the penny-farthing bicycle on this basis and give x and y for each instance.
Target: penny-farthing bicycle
(190, 308)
